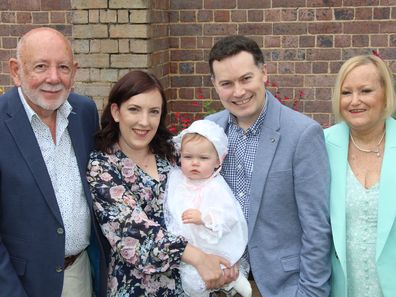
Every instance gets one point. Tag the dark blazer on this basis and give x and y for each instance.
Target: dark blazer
(289, 230)
(32, 241)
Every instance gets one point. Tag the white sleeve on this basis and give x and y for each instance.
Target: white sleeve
(220, 211)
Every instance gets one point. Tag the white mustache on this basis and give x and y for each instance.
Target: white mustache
(52, 88)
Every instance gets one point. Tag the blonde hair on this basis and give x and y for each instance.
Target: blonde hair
(386, 80)
(192, 137)
(189, 137)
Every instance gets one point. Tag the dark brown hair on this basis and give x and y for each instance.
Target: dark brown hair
(232, 45)
(131, 84)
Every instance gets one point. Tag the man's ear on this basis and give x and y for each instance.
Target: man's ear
(14, 71)
(213, 80)
(263, 69)
(74, 70)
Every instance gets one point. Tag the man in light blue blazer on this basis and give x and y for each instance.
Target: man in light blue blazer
(278, 169)
(46, 218)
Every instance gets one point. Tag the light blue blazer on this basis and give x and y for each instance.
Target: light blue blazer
(337, 141)
(289, 229)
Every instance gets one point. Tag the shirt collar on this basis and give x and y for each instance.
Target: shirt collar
(64, 110)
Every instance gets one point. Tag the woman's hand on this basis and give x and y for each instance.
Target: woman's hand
(231, 274)
(209, 266)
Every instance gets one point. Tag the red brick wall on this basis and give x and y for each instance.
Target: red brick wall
(19, 16)
(304, 45)
(159, 45)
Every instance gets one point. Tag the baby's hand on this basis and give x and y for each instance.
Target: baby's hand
(192, 216)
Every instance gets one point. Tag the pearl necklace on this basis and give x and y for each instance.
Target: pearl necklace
(376, 151)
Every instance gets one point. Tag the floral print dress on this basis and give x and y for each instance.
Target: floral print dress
(128, 205)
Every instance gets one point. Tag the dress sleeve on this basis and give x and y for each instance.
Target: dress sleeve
(140, 241)
(219, 213)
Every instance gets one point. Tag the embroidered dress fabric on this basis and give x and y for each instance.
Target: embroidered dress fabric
(361, 224)
(224, 231)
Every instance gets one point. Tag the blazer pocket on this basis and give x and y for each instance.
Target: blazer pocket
(281, 174)
(19, 265)
(291, 263)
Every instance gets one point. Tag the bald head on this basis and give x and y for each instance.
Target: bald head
(37, 35)
(44, 69)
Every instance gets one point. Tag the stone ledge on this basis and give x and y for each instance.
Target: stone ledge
(88, 4)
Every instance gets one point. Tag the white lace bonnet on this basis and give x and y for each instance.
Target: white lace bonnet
(213, 132)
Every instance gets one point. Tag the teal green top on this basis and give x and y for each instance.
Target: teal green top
(361, 234)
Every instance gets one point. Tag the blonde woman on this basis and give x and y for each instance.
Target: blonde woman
(362, 153)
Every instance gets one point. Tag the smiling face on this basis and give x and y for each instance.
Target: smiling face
(44, 70)
(240, 84)
(362, 100)
(199, 157)
(138, 119)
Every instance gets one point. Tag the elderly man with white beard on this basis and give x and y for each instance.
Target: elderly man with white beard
(46, 221)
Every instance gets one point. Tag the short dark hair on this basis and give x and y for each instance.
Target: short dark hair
(131, 84)
(233, 45)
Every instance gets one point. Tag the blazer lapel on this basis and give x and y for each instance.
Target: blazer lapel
(337, 141)
(21, 130)
(387, 201)
(269, 139)
(79, 148)
(268, 142)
